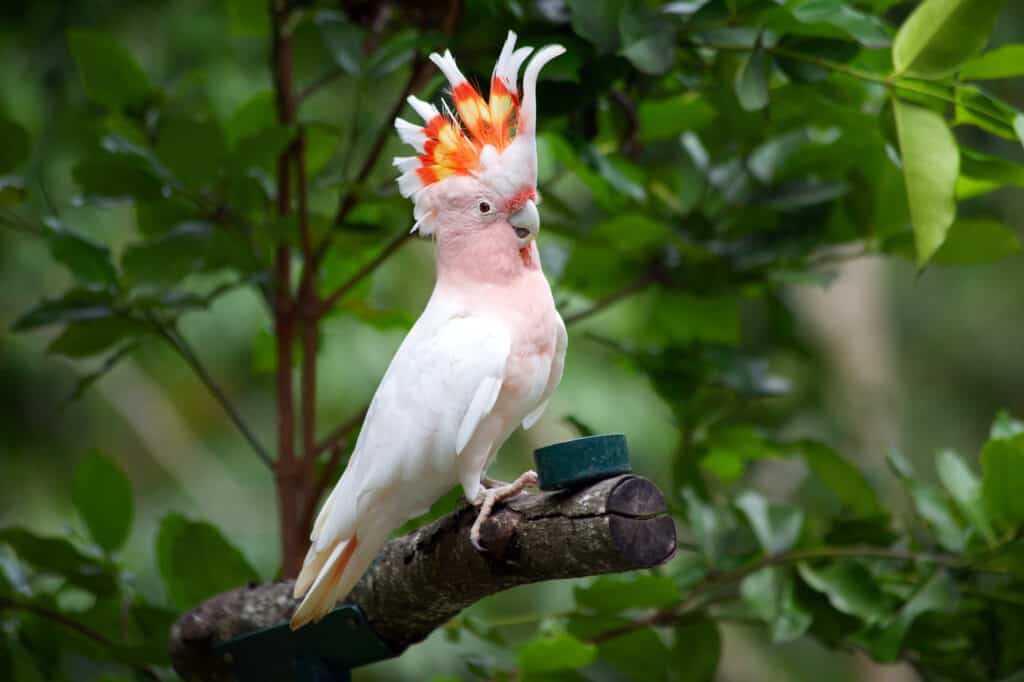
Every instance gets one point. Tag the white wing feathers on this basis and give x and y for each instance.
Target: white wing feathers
(555, 376)
(444, 379)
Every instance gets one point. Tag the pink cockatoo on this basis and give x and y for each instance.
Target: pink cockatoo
(488, 350)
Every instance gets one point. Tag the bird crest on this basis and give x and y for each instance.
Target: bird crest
(492, 139)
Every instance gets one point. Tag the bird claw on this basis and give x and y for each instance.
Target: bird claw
(486, 500)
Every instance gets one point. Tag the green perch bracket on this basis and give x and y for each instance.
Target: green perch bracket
(328, 651)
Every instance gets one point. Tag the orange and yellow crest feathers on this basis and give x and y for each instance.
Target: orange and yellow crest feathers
(473, 139)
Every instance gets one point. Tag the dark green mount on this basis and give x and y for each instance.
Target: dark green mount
(328, 651)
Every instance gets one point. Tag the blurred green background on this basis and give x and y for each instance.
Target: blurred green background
(896, 358)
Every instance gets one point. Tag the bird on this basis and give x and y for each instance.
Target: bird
(488, 349)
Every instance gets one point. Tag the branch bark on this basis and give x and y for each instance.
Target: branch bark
(423, 579)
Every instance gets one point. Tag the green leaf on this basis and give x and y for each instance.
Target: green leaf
(938, 593)
(102, 495)
(91, 337)
(868, 30)
(931, 163)
(1002, 462)
(697, 650)
(598, 22)
(16, 145)
(260, 150)
(12, 190)
(74, 306)
(648, 40)
(342, 38)
(849, 588)
(1005, 426)
(193, 150)
(639, 656)
(771, 595)
(395, 52)
(197, 562)
(965, 488)
(688, 318)
(942, 34)
(252, 117)
(776, 525)
(59, 557)
(190, 247)
(118, 176)
(668, 117)
(554, 651)
(321, 143)
(1018, 127)
(111, 76)
(981, 173)
(248, 17)
(1003, 62)
(88, 262)
(841, 477)
(752, 80)
(982, 110)
(712, 527)
(973, 241)
(617, 593)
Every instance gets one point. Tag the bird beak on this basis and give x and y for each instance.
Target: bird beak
(526, 222)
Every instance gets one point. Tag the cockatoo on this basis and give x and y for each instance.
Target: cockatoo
(488, 349)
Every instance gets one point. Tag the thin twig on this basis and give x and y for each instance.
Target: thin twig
(72, 624)
(393, 246)
(613, 298)
(340, 433)
(320, 82)
(702, 595)
(178, 343)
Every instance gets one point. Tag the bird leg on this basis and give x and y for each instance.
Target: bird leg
(490, 496)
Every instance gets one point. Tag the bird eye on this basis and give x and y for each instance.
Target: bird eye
(484, 207)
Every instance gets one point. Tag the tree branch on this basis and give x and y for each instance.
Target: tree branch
(340, 433)
(179, 344)
(72, 624)
(613, 298)
(423, 579)
(392, 247)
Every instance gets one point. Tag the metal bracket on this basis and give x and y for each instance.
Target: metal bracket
(322, 652)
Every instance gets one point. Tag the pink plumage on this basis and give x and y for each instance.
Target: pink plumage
(486, 353)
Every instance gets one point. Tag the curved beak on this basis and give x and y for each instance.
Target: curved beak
(526, 222)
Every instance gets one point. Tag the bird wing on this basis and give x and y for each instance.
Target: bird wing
(444, 379)
(554, 377)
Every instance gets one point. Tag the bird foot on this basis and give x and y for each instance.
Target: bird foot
(491, 496)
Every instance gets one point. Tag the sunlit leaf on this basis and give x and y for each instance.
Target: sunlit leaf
(931, 162)
(1002, 462)
(965, 488)
(1003, 62)
(668, 117)
(942, 34)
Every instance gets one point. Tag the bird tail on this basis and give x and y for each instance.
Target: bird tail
(328, 576)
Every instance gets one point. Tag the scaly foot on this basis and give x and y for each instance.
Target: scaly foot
(489, 497)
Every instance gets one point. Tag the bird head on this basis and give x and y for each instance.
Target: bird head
(475, 172)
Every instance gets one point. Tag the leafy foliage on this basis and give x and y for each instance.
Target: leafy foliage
(702, 157)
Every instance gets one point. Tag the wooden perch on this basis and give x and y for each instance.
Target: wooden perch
(423, 579)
